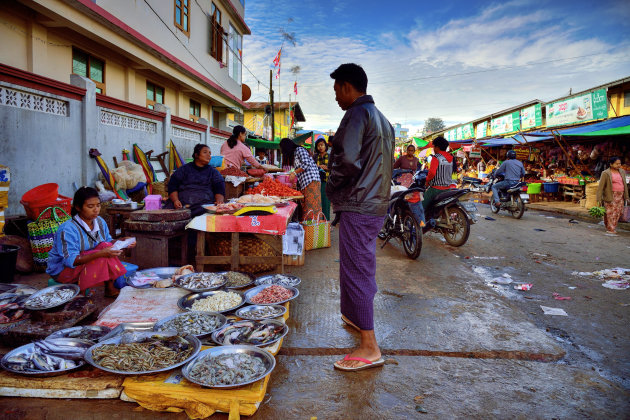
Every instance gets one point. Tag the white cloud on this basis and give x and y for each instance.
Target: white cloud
(464, 69)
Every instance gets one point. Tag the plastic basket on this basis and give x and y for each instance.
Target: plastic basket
(551, 187)
(534, 188)
(33, 211)
(41, 194)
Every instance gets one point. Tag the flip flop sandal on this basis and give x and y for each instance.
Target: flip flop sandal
(349, 323)
(368, 364)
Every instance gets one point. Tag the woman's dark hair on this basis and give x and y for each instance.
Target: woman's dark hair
(234, 137)
(198, 148)
(613, 159)
(288, 151)
(81, 196)
(412, 146)
(320, 140)
(353, 74)
(441, 143)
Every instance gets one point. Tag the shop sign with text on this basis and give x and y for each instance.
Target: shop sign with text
(586, 107)
(531, 117)
(506, 123)
(481, 130)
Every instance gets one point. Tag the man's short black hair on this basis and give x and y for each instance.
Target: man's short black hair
(441, 143)
(353, 74)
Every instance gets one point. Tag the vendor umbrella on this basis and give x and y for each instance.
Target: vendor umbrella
(109, 178)
(175, 160)
(142, 160)
(425, 152)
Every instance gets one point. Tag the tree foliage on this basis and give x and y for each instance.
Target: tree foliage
(431, 125)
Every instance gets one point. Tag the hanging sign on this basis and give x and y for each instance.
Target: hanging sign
(522, 152)
(475, 152)
(581, 108)
(506, 123)
(531, 117)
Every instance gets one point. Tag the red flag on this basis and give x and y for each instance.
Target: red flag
(295, 87)
(278, 72)
(276, 61)
(292, 120)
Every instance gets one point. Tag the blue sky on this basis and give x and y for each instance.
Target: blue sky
(457, 60)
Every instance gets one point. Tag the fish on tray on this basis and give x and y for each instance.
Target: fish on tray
(255, 333)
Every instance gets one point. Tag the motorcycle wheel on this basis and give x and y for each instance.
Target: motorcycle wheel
(412, 236)
(458, 235)
(520, 207)
(493, 208)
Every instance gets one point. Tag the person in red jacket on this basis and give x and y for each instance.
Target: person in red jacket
(440, 171)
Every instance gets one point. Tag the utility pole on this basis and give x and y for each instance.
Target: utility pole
(273, 125)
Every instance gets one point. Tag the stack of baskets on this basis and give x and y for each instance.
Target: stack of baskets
(249, 245)
(591, 195)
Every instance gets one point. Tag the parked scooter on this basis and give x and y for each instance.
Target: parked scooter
(404, 218)
(513, 199)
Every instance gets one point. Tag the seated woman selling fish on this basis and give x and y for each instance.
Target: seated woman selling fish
(82, 251)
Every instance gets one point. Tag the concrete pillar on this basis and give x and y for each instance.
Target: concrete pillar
(89, 122)
(130, 85)
(37, 48)
(205, 137)
(167, 130)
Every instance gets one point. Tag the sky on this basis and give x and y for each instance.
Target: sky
(454, 60)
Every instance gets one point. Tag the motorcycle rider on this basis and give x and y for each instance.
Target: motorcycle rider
(440, 173)
(512, 170)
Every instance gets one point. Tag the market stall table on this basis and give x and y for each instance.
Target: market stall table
(117, 217)
(268, 229)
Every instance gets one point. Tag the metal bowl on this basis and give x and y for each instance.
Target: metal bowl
(75, 289)
(205, 289)
(248, 295)
(28, 348)
(161, 272)
(250, 275)
(219, 334)
(294, 279)
(129, 327)
(267, 358)
(222, 321)
(245, 312)
(98, 330)
(192, 340)
(185, 303)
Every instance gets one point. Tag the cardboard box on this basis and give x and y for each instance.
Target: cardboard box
(294, 259)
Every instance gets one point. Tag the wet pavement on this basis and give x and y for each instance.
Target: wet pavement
(456, 343)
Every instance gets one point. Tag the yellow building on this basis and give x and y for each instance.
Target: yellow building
(258, 122)
(185, 54)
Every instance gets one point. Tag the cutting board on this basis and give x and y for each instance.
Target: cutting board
(160, 215)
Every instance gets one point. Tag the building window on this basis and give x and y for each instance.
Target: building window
(195, 110)
(234, 54)
(85, 65)
(626, 99)
(155, 95)
(216, 33)
(182, 16)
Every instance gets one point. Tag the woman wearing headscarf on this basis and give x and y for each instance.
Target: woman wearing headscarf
(307, 174)
(235, 152)
(613, 191)
(321, 159)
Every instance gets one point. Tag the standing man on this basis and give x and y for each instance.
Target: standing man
(359, 187)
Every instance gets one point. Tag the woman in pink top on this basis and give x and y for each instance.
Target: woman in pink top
(235, 152)
(613, 191)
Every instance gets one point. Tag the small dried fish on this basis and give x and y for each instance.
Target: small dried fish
(51, 298)
(193, 323)
(227, 369)
(263, 312)
(219, 301)
(249, 332)
(236, 279)
(200, 281)
(280, 279)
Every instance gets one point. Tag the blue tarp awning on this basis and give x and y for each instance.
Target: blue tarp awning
(602, 125)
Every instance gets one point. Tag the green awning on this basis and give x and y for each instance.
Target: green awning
(262, 143)
(420, 142)
(301, 140)
(610, 132)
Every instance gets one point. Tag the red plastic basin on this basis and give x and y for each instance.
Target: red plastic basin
(41, 194)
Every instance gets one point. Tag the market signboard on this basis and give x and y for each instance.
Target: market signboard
(506, 123)
(522, 152)
(531, 117)
(467, 131)
(475, 152)
(451, 135)
(459, 132)
(481, 130)
(581, 108)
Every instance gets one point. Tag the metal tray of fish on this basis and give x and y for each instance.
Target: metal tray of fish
(160, 273)
(254, 333)
(281, 279)
(185, 303)
(226, 274)
(213, 281)
(212, 367)
(51, 297)
(91, 333)
(258, 312)
(248, 295)
(43, 359)
(128, 327)
(181, 344)
(190, 323)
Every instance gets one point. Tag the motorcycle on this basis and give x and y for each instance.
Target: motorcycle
(513, 199)
(404, 218)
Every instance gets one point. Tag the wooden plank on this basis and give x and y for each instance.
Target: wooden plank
(235, 251)
(212, 259)
(201, 250)
(251, 259)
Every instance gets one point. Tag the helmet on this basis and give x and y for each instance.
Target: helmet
(511, 154)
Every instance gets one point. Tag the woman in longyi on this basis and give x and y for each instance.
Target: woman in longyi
(82, 251)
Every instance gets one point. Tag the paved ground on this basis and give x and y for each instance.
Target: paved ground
(457, 344)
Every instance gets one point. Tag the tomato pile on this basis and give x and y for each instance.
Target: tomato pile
(271, 187)
(272, 294)
(233, 172)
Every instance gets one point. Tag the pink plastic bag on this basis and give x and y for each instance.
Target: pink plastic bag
(625, 214)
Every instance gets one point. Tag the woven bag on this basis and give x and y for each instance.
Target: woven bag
(248, 245)
(316, 232)
(41, 234)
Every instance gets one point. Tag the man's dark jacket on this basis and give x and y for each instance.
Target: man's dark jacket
(362, 159)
